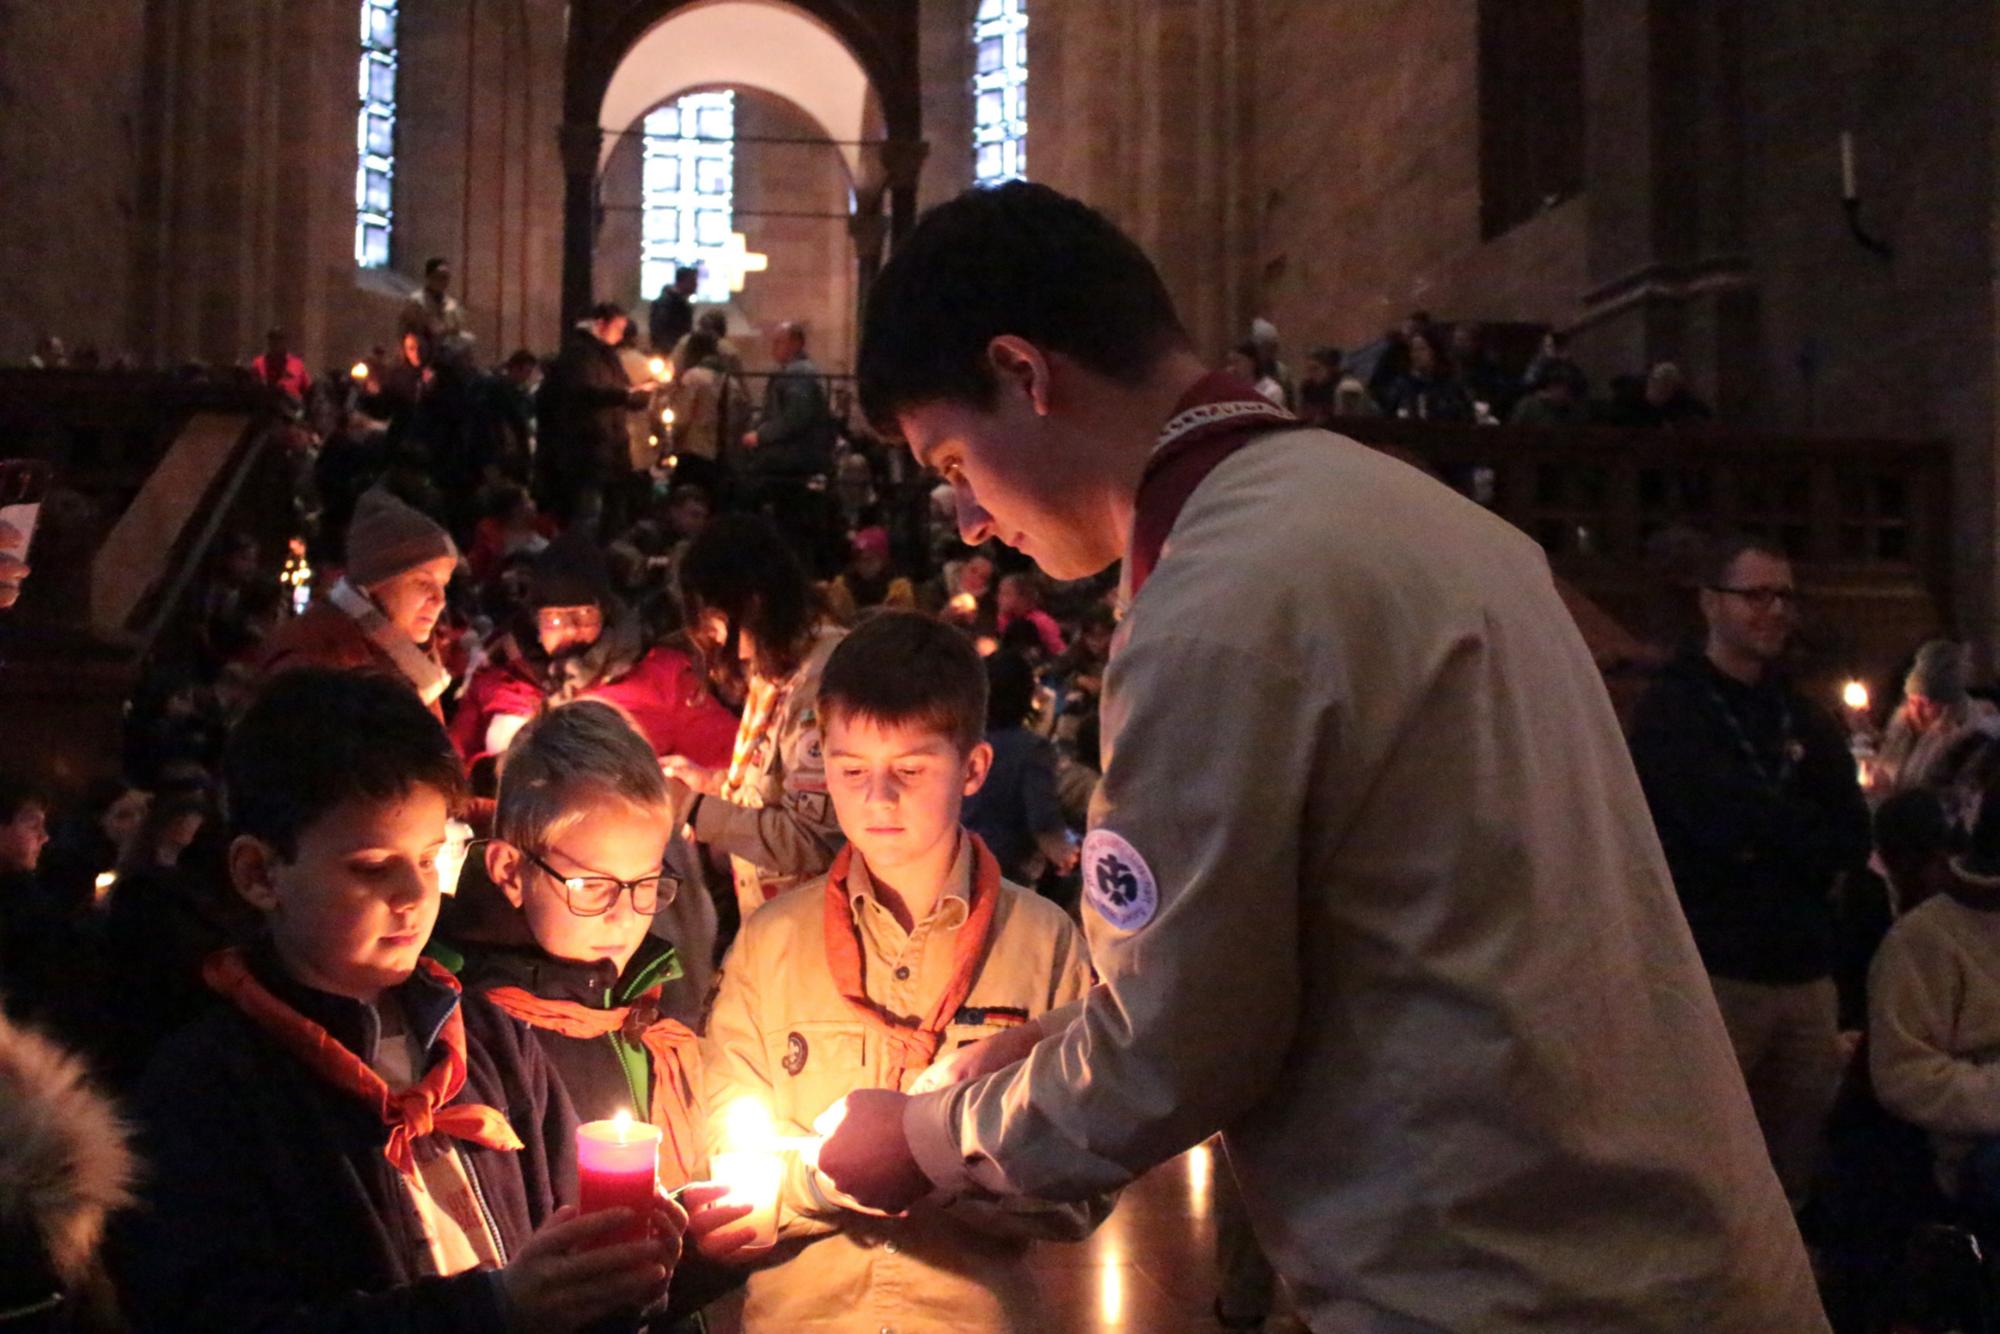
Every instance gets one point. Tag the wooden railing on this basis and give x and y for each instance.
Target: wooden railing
(1866, 521)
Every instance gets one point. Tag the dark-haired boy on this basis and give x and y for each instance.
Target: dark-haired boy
(911, 947)
(345, 1143)
(1362, 782)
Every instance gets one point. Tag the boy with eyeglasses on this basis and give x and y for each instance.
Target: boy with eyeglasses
(581, 828)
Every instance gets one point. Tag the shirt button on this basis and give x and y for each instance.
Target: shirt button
(903, 973)
(891, 1247)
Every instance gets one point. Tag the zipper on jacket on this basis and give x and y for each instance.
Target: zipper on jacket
(486, 1211)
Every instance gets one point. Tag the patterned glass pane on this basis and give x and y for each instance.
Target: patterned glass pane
(1000, 91)
(375, 135)
(688, 183)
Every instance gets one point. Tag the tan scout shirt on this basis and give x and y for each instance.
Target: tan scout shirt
(1414, 951)
(780, 1032)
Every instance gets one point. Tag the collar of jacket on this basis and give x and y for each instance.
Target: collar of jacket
(427, 1003)
(592, 983)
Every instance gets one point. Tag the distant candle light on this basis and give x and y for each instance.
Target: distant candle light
(360, 371)
(1855, 696)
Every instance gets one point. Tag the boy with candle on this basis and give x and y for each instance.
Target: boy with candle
(581, 828)
(910, 947)
(344, 1142)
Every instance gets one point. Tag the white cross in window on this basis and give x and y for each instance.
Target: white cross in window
(735, 259)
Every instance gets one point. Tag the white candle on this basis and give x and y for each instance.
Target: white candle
(753, 1177)
(1847, 190)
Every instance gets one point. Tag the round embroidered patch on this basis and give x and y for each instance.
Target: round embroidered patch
(1117, 881)
(795, 1053)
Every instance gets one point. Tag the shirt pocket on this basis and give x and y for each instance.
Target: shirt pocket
(813, 1064)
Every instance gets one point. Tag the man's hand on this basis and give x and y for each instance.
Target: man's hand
(866, 1155)
(979, 1059)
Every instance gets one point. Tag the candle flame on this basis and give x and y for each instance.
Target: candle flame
(666, 416)
(360, 371)
(965, 602)
(621, 1122)
(105, 880)
(1855, 695)
(748, 1124)
(658, 366)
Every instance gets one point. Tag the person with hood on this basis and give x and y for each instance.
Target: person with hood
(1935, 715)
(579, 640)
(65, 1169)
(383, 614)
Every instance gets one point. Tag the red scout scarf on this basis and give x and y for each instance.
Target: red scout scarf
(672, 1045)
(912, 1046)
(1214, 419)
(411, 1114)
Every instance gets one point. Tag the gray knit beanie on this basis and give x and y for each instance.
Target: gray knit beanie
(388, 537)
(1940, 672)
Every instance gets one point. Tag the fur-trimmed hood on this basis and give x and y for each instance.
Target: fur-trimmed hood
(65, 1162)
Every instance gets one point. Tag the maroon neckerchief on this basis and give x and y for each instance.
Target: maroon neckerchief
(1213, 420)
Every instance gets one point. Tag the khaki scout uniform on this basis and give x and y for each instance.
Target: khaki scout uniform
(781, 1032)
(1395, 920)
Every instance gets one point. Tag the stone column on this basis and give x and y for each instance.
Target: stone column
(579, 144)
(1667, 275)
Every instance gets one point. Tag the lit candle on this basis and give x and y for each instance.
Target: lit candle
(751, 1168)
(1855, 696)
(965, 604)
(1847, 190)
(658, 366)
(105, 881)
(666, 416)
(617, 1165)
(360, 371)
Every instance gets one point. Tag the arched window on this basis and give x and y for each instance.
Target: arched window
(375, 135)
(1000, 92)
(689, 185)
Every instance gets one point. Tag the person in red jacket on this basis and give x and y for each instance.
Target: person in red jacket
(577, 641)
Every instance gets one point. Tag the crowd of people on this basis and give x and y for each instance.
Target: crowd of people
(1424, 370)
(599, 745)
(590, 620)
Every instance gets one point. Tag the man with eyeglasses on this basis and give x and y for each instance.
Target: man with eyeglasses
(1759, 811)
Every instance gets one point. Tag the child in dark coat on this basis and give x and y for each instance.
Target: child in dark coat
(344, 1142)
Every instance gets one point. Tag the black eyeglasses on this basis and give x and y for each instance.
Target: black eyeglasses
(1763, 598)
(593, 895)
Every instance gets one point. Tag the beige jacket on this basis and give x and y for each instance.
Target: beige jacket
(1934, 1026)
(780, 1032)
(1415, 950)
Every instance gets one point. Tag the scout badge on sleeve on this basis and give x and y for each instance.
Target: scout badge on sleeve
(1117, 881)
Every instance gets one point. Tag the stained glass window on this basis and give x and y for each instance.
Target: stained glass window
(375, 136)
(1000, 92)
(689, 189)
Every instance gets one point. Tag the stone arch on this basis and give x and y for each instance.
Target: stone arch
(851, 65)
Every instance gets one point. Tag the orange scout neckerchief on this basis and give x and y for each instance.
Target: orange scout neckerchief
(912, 1046)
(672, 1045)
(411, 1114)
